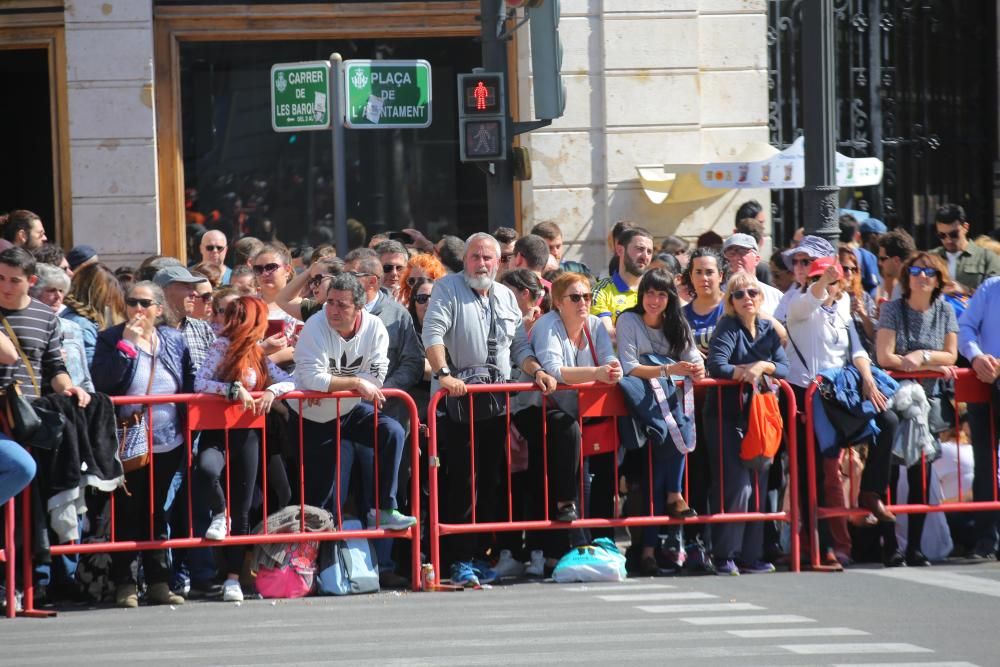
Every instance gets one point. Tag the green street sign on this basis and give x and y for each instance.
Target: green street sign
(387, 94)
(300, 96)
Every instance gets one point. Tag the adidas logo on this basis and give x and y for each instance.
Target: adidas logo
(345, 368)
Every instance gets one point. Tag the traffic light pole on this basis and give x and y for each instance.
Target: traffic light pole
(500, 174)
(820, 200)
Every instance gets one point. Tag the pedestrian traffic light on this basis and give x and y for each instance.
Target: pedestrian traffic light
(482, 117)
(546, 61)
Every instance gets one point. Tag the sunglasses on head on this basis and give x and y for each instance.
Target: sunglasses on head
(215, 248)
(413, 281)
(576, 298)
(422, 298)
(953, 234)
(750, 292)
(133, 302)
(927, 271)
(392, 268)
(261, 269)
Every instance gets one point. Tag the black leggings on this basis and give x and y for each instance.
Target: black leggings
(244, 458)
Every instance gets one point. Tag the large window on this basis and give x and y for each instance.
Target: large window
(242, 175)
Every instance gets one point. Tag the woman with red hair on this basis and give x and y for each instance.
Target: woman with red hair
(235, 367)
(422, 268)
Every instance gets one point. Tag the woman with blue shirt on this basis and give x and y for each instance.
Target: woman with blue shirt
(744, 347)
(143, 356)
(573, 347)
(703, 278)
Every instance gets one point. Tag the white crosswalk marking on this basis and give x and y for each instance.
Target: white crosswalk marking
(932, 577)
(875, 647)
(653, 597)
(772, 633)
(748, 619)
(688, 608)
(907, 664)
(597, 588)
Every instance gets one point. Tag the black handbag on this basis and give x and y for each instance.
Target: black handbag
(484, 405)
(30, 426)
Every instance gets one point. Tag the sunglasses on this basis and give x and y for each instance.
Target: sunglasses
(206, 297)
(577, 298)
(316, 280)
(924, 270)
(814, 279)
(360, 274)
(422, 298)
(505, 259)
(953, 234)
(751, 292)
(414, 281)
(801, 262)
(263, 269)
(392, 268)
(849, 269)
(215, 248)
(145, 303)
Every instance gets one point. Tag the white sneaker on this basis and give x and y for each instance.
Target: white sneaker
(218, 529)
(507, 566)
(536, 567)
(231, 591)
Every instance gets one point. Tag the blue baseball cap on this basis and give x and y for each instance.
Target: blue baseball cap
(873, 226)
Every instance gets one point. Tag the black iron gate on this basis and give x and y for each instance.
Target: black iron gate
(916, 87)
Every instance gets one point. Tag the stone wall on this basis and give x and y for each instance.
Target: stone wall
(109, 55)
(648, 82)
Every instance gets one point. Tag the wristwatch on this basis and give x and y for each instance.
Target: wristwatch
(927, 356)
(234, 390)
(444, 372)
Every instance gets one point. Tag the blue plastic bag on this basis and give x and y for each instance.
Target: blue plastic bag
(600, 561)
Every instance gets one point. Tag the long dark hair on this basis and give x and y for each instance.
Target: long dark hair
(675, 326)
(720, 263)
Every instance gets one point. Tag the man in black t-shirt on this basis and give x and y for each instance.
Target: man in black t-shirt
(36, 328)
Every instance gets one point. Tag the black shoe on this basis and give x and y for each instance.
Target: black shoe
(983, 554)
(917, 559)
(895, 559)
(567, 513)
(204, 589)
(388, 579)
(648, 567)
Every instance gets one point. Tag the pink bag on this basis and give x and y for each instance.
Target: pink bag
(294, 579)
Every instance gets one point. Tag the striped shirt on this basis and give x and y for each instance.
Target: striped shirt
(38, 332)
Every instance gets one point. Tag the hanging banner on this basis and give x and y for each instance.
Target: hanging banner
(787, 170)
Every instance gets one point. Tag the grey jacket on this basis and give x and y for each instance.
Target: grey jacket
(406, 351)
(456, 319)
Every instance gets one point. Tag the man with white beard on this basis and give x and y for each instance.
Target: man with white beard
(473, 333)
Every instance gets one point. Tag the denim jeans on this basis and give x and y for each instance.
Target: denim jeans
(17, 468)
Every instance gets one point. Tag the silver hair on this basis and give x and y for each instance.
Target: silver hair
(49, 276)
(481, 236)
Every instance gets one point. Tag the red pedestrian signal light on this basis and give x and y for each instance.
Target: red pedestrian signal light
(481, 94)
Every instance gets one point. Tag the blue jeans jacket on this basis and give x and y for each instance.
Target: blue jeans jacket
(843, 385)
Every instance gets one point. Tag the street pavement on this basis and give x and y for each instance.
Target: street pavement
(936, 616)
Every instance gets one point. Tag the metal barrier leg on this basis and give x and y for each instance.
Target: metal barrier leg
(10, 557)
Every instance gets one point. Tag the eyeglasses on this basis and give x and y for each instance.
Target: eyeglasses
(145, 303)
(805, 261)
(361, 274)
(392, 268)
(953, 234)
(422, 298)
(576, 298)
(741, 293)
(206, 297)
(262, 269)
(505, 259)
(849, 269)
(926, 271)
(413, 281)
(215, 248)
(315, 281)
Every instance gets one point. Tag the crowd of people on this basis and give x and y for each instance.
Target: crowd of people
(251, 321)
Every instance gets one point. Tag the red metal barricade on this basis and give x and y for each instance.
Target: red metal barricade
(7, 556)
(595, 400)
(968, 389)
(211, 412)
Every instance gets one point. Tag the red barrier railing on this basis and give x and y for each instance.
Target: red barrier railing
(7, 556)
(968, 389)
(601, 400)
(211, 412)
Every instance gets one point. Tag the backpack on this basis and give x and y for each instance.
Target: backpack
(346, 567)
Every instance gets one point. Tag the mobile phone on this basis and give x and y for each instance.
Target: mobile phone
(402, 237)
(274, 327)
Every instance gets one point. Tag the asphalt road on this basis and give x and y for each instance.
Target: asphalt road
(942, 615)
